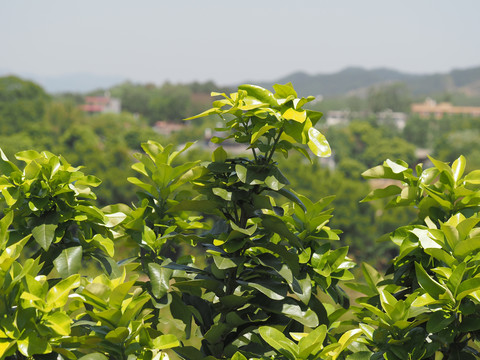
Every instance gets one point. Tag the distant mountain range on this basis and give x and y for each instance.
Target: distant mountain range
(77, 82)
(356, 81)
(349, 81)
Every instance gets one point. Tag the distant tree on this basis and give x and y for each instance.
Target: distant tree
(22, 103)
(368, 144)
(462, 142)
(135, 98)
(170, 103)
(395, 97)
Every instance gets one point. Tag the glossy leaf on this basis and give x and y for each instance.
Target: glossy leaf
(44, 234)
(163, 342)
(94, 356)
(159, 279)
(318, 143)
(69, 261)
(238, 356)
(279, 341)
(432, 287)
(313, 342)
(57, 296)
(467, 287)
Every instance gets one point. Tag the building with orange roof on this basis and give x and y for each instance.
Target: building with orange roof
(430, 108)
(101, 104)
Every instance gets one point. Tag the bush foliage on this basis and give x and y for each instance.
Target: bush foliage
(226, 261)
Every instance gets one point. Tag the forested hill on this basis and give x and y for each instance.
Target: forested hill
(356, 80)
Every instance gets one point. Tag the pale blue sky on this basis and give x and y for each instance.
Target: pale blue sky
(235, 41)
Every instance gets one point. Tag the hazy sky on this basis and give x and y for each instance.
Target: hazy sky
(235, 41)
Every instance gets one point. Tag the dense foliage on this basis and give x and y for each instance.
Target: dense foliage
(229, 262)
(105, 144)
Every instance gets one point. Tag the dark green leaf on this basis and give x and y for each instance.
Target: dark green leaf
(438, 321)
(432, 287)
(159, 279)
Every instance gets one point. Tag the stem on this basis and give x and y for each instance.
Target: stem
(247, 132)
(274, 146)
(255, 155)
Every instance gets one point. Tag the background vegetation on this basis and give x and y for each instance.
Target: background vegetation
(230, 255)
(105, 143)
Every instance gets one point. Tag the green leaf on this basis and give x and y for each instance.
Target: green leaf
(382, 172)
(467, 246)
(44, 234)
(432, 287)
(284, 91)
(248, 231)
(105, 244)
(458, 167)
(292, 114)
(5, 223)
(163, 342)
(189, 353)
(467, 287)
(88, 180)
(272, 182)
(371, 276)
(59, 322)
(133, 309)
(205, 113)
(257, 134)
(313, 342)
(274, 291)
(117, 335)
(318, 143)
(94, 356)
(69, 261)
(361, 355)
(260, 93)
(223, 193)
(440, 165)
(441, 255)
(114, 219)
(345, 340)
(291, 196)
(5, 344)
(292, 309)
(396, 168)
(28, 155)
(456, 278)
(224, 262)
(241, 173)
(382, 193)
(33, 344)
(219, 155)
(6, 166)
(277, 225)
(217, 332)
(425, 240)
(473, 177)
(159, 279)
(279, 342)
(57, 296)
(238, 356)
(438, 321)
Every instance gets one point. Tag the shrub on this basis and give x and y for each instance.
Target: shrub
(228, 253)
